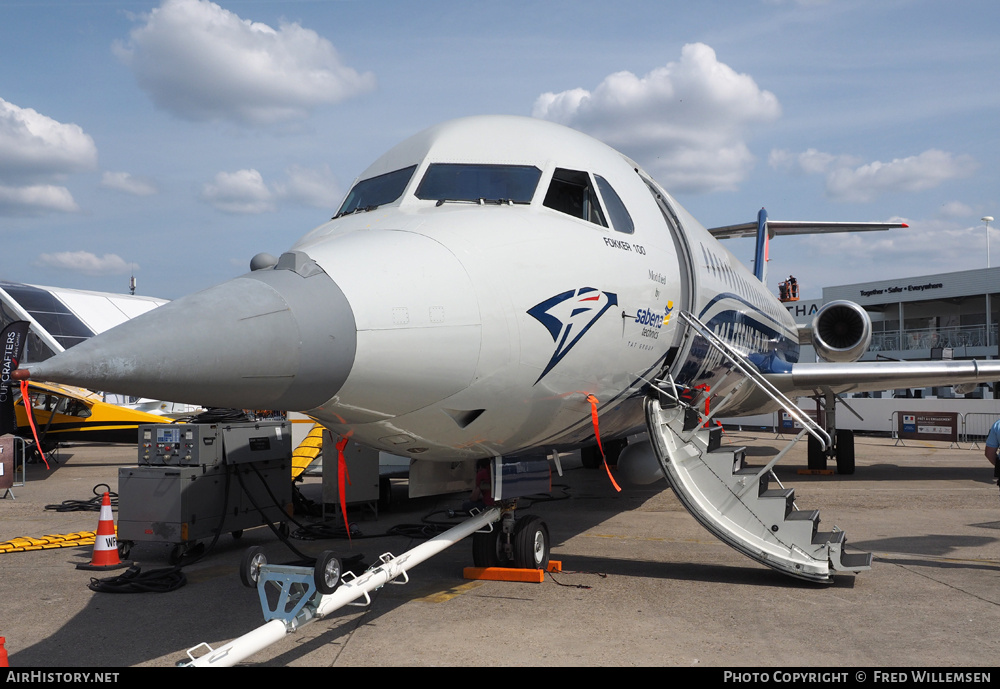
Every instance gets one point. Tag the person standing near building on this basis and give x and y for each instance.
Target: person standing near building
(992, 443)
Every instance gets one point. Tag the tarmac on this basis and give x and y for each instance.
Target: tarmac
(642, 583)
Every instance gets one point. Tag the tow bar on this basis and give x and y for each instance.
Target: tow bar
(300, 600)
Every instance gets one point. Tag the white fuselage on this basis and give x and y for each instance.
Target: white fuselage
(482, 327)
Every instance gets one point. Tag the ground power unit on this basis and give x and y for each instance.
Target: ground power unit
(194, 481)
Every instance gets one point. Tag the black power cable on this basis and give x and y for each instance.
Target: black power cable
(91, 505)
(133, 580)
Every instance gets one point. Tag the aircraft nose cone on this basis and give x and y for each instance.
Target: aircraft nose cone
(273, 339)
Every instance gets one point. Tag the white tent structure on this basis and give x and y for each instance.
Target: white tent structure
(61, 317)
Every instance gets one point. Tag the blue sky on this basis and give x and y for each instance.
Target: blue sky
(179, 138)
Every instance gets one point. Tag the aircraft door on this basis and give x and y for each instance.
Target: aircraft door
(685, 263)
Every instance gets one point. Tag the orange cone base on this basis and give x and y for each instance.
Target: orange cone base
(121, 564)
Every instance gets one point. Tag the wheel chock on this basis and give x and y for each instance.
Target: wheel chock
(815, 472)
(529, 576)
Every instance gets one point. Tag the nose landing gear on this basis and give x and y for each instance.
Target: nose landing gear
(522, 543)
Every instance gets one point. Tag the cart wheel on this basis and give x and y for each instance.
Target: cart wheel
(253, 560)
(326, 575)
(124, 548)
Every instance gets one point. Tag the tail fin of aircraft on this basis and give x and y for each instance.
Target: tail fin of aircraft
(765, 230)
(761, 257)
(12, 341)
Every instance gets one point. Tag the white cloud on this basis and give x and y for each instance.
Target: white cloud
(202, 62)
(810, 162)
(34, 146)
(125, 181)
(955, 209)
(899, 253)
(916, 173)
(242, 191)
(847, 179)
(245, 191)
(685, 122)
(310, 186)
(35, 151)
(86, 262)
(36, 200)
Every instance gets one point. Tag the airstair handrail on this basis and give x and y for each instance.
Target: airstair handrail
(751, 372)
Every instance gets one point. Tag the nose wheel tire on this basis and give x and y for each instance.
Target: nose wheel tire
(327, 572)
(253, 560)
(488, 548)
(531, 543)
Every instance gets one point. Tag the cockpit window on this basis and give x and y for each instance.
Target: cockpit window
(620, 219)
(571, 192)
(467, 182)
(373, 192)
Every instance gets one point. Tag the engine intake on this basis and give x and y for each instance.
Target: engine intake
(841, 332)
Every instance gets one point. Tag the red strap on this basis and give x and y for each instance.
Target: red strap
(707, 389)
(31, 419)
(597, 434)
(341, 475)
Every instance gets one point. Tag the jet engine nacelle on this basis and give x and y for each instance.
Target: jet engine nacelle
(841, 332)
(637, 464)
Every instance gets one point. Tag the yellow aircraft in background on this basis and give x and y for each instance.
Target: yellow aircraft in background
(63, 413)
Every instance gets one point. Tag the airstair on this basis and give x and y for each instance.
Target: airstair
(744, 506)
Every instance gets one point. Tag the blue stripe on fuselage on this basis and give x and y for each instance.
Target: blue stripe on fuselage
(773, 351)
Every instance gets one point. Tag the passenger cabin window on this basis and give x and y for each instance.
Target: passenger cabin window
(571, 192)
(621, 221)
(369, 194)
(490, 183)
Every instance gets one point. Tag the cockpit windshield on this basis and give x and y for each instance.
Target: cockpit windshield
(376, 191)
(468, 182)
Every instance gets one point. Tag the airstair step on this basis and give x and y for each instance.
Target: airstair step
(765, 479)
(804, 515)
(733, 458)
(691, 419)
(833, 537)
(735, 450)
(788, 494)
(855, 561)
(714, 438)
(799, 526)
(774, 505)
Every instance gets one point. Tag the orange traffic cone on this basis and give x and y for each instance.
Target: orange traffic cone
(106, 543)
(3, 653)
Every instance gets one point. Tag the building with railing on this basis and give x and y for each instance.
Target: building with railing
(912, 318)
(948, 315)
